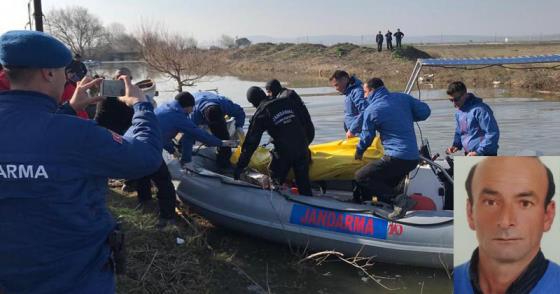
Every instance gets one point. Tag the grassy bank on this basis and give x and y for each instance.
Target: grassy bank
(314, 63)
(216, 260)
(211, 260)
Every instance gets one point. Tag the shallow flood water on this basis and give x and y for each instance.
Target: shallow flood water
(526, 122)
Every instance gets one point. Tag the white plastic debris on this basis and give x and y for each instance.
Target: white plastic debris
(180, 241)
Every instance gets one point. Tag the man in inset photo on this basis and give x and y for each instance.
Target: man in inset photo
(509, 206)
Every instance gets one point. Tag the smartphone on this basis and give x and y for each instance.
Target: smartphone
(112, 88)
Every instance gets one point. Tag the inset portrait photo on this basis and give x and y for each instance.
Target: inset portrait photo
(506, 236)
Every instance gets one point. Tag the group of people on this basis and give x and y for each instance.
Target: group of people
(371, 108)
(54, 166)
(389, 39)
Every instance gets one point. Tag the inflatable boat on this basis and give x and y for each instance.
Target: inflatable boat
(326, 221)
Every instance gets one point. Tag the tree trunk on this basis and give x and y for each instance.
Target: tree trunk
(179, 84)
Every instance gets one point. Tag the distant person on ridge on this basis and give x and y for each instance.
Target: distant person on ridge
(389, 37)
(379, 41)
(354, 102)
(398, 36)
(477, 131)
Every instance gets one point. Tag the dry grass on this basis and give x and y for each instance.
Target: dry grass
(211, 260)
(312, 64)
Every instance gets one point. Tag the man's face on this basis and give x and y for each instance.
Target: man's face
(188, 109)
(367, 90)
(508, 212)
(340, 84)
(458, 100)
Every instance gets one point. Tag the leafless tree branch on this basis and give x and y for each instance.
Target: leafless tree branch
(175, 56)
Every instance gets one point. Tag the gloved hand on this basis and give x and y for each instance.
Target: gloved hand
(237, 173)
(358, 156)
(239, 133)
(230, 143)
(170, 148)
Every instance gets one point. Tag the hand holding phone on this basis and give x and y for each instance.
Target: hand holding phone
(112, 88)
(132, 93)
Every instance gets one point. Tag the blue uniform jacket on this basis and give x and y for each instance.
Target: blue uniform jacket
(477, 129)
(354, 104)
(549, 283)
(205, 99)
(173, 120)
(393, 116)
(54, 221)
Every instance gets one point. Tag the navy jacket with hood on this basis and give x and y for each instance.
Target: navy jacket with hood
(393, 116)
(54, 221)
(173, 120)
(354, 104)
(206, 99)
(476, 129)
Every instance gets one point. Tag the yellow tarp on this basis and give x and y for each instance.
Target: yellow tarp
(331, 161)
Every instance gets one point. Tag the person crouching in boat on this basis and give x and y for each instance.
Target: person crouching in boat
(274, 89)
(393, 116)
(477, 131)
(284, 122)
(210, 109)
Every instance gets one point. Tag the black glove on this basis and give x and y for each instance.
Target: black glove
(358, 156)
(237, 173)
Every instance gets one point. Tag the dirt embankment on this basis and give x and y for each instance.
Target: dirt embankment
(314, 63)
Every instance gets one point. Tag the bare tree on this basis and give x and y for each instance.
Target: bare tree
(75, 26)
(227, 42)
(116, 29)
(175, 56)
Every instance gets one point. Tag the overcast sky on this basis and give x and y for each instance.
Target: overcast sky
(207, 20)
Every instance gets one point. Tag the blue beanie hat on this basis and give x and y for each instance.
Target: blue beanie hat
(32, 49)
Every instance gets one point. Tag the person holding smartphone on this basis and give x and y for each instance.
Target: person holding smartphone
(55, 225)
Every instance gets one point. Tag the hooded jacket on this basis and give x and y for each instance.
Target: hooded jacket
(476, 129)
(206, 99)
(305, 118)
(282, 118)
(354, 103)
(393, 116)
(173, 120)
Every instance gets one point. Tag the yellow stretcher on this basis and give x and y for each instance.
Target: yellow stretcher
(331, 161)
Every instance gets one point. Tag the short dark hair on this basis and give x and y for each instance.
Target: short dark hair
(19, 74)
(185, 99)
(549, 193)
(456, 87)
(375, 83)
(339, 74)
